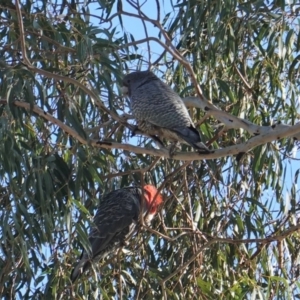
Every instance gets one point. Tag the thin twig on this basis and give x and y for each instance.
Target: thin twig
(140, 284)
(120, 275)
(142, 171)
(249, 88)
(264, 241)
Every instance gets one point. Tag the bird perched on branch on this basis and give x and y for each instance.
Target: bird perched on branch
(116, 219)
(159, 111)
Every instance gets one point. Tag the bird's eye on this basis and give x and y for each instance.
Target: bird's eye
(128, 81)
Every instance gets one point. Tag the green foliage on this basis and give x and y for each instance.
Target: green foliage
(213, 230)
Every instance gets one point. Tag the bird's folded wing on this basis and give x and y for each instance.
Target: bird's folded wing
(109, 225)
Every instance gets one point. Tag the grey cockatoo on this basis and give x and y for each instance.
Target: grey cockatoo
(159, 111)
(116, 220)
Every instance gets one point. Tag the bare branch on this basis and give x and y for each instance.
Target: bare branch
(233, 122)
(280, 133)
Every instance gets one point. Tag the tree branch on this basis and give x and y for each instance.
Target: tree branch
(272, 135)
(233, 122)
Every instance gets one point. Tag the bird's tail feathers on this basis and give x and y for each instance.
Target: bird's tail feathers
(202, 148)
(79, 269)
(192, 137)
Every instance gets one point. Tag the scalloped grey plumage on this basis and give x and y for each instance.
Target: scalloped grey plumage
(159, 111)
